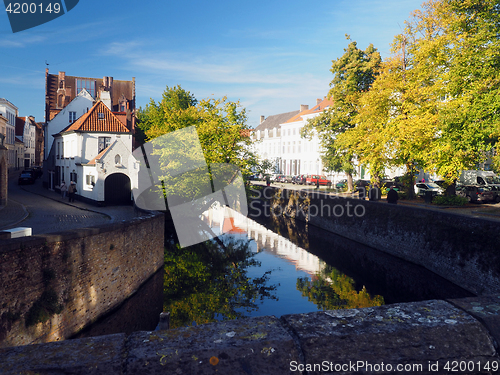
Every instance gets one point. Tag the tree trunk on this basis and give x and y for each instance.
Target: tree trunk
(350, 184)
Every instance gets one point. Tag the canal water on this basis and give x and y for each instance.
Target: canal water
(291, 268)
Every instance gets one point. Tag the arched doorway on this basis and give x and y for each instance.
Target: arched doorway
(117, 189)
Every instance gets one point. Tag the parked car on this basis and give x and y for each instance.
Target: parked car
(313, 180)
(300, 179)
(287, 179)
(390, 183)
(422, 187)
(475, 193)
(341, 184)
(361, 183)
(26, 177)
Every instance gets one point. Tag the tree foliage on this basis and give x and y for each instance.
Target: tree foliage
(435, 103)
(205, 283)
(353, 74)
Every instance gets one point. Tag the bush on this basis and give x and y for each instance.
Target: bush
(453, 200)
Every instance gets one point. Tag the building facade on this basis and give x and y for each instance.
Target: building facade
(95, 152)
(10, 112)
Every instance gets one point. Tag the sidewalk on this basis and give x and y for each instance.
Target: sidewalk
(46, 211)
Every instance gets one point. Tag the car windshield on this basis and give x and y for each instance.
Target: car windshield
(432, 185)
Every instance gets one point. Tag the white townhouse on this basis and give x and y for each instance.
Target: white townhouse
(26, 133)
(95, 152)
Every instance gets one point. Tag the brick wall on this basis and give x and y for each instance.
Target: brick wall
(82, 274)
(460, 248)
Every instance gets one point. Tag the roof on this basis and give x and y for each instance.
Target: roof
(93, 121)
(20, 121)
(274, 121)
(100, 155)
(315, 109)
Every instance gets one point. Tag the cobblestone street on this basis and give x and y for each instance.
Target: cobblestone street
(45, 211)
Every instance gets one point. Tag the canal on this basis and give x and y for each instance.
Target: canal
(270, 266)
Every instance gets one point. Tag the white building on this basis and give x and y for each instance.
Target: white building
(69, 114)
(96, 152)
(9, 111)
(278, 140)
(26, 133)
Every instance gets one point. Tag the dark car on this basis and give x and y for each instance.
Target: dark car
(299, 180)
(26, 177)
(361, 183)
(475, 193)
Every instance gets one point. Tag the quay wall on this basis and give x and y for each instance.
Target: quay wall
(463, 249)
(54, 285)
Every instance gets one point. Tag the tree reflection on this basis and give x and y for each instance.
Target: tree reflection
(333, 290)
(208, 282)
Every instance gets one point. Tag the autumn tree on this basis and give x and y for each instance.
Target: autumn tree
(353, 72)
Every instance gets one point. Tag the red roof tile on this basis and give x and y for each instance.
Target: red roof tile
(98, 119)
(315, 109)
(94, 160)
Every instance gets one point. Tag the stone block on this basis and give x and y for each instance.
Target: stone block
(420, 333)
(246, 346)
(90, 356)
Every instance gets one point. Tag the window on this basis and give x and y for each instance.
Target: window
(118, 159)
(90, 179)
(62, 150)
(86, 84)
(103, 142)
(100, 116)
(73, 177)
(72, 117)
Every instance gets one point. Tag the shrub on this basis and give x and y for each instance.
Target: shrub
(453, 200)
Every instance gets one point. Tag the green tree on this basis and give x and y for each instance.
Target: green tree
(335, 291)
(354, 73)
(205, 283)
(222, 132)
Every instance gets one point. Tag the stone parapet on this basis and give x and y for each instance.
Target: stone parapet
(54, 285)
(426, 337)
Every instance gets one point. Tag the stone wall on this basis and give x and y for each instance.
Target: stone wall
(428, 337)
(53, 285)
(460, 248)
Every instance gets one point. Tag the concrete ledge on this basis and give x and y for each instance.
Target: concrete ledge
(429, 334)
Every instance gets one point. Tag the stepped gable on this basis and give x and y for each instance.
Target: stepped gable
(98, 119)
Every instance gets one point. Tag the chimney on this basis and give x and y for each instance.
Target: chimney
(262, 118)
(318, 101)
(304, 107)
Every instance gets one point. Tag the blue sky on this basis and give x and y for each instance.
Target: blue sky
(270, 55)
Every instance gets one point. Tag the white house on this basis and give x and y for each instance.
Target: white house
(26, 133)
(96, 152)
(69, 114)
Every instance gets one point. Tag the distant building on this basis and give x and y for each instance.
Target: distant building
(278, 140)
(119, 96)
(10, 112)
(26, 133)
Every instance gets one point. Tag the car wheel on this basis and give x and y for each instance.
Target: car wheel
(497, 199)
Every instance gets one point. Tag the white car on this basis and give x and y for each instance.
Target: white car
(422, 187)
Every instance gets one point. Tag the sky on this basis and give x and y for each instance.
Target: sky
(271, 56)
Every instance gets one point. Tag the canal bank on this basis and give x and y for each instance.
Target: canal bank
(462, 249)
